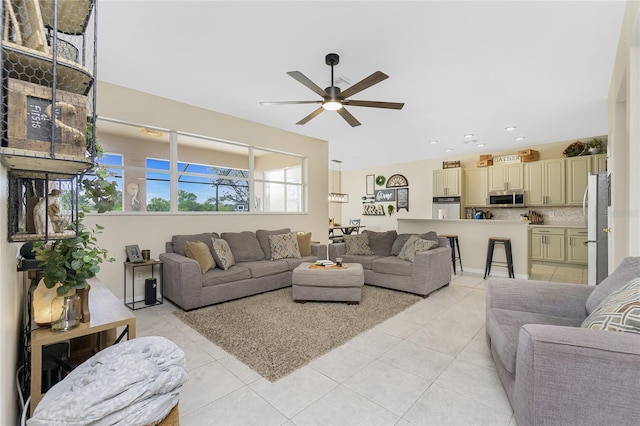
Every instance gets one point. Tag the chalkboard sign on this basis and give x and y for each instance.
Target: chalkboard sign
(38, 122)
(384, 195)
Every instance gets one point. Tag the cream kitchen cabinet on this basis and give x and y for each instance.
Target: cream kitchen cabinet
(475, 194)
(509, 176)
(447, 182)
(578, 169)
(548, 244)
(599, 163)
(545, 182)
(577, 251)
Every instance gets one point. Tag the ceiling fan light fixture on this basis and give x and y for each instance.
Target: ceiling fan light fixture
(332, 105)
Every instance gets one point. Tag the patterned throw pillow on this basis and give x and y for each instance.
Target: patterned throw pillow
(284, 246)
(413, 245)
(222, 253)
(199, 251)
(358, 244)
(304, 243)
(620, 311)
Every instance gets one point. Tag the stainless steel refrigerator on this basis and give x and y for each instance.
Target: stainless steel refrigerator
(594, 206)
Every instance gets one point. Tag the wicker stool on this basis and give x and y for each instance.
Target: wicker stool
(453, 243)
(507, 248)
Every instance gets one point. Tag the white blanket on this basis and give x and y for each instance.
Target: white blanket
(132, 383)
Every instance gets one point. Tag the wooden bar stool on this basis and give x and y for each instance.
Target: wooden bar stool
(507, 248)
(453, 243)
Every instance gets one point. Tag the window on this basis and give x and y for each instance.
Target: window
(92, 197)
(278, 182)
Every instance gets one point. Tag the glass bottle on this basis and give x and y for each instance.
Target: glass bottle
(65, 312)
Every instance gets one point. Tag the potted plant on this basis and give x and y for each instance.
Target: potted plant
(69, 263)
(99, 189)
(390, 209)
(595, 146)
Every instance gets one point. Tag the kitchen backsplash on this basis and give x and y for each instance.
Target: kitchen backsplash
(550, 214)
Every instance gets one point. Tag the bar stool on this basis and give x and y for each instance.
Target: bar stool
(507, 248)
(453, 243)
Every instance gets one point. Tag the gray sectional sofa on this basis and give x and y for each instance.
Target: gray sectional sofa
(254, 272)
(555, 366)
(429, 271)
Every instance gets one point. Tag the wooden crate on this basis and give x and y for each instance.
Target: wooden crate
(29, 123)
(485, 163)
(486, 157)
(450, 164)
(531, 157)
(526, 152)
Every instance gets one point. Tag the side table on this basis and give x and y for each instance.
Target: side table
(132, 267)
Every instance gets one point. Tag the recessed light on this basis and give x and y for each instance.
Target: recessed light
(510, 128)
(480, 145)
(433, 142)
(448, 150)
(468, 135)
(151, 132)
(520, 138)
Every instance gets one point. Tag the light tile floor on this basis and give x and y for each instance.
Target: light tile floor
(428, 365)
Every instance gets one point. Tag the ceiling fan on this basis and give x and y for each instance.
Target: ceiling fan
(333, 99)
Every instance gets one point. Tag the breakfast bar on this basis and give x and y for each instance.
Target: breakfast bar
(473, 237)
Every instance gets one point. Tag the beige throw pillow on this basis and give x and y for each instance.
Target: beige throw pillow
(304, 243)
(199, 251)
(222, 253)
(358, 245)
(620, 311)
(413, 245)
(284, 246)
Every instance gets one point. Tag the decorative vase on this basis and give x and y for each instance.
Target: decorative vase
(85, 315)
(65, 312)
(594, 150)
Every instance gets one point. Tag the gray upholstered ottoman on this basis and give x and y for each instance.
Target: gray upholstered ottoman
(328, 284)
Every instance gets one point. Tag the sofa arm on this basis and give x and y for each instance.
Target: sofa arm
(337, 250)
(319, 251)
(431, 269)
(576, 376)
(181, 280)
(557, 299)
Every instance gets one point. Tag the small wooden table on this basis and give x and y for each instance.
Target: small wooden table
(107, 314)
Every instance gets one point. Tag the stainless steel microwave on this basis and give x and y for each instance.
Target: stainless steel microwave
(507, 199)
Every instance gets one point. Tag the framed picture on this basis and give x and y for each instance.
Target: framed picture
(385, 195)
(370, 184)
(402, 199)
(134, 255)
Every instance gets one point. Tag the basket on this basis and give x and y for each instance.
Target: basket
(575, 149)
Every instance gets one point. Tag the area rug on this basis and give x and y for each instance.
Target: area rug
(275, 336)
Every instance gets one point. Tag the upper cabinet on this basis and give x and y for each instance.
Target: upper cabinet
(599, 163)
(578, 169)
(447, 182)
(545, 182)
(475, 187)
(507, 177)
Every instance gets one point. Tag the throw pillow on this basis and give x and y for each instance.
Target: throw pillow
(431, 235)
(222, 254)
(284, 246)
(413, 245)
(179, 241)
(381, 243)
(304, 243)
(620, 311)
(358, 244)
(199, 251)
(399, 242)
(263, 238)
(244, 246)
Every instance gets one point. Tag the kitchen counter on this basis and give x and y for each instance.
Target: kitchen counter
(569, 225)
(473, 236)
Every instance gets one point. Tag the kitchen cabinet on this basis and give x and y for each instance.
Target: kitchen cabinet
(548, 244)
(545, 182)
(577, 251)
(447, 182)
(599, 163)
(475, 187)
(509, 176)
(578, 169)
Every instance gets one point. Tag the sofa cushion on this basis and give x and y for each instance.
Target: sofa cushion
(392, 265)
(179, 241)
(431, 235)
(618, 312)
(304, 243)
(398, 243)
(199, 251)
(263, 238)
(381, 243)
(244, 246)
(358, 244)
(263, 268)
(294, 263)
(220, 276)
(284, 246)
(503, 327)
(222, 253)
(628, 269)
(413, 245)
(365, 261)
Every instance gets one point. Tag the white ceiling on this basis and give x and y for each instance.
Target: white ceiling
(460, 67)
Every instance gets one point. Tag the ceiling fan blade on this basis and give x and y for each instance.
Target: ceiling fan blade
(374, 78)
(310, 116)
(289, 102)
(310, 84)
(348, 117)
(375, 104)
